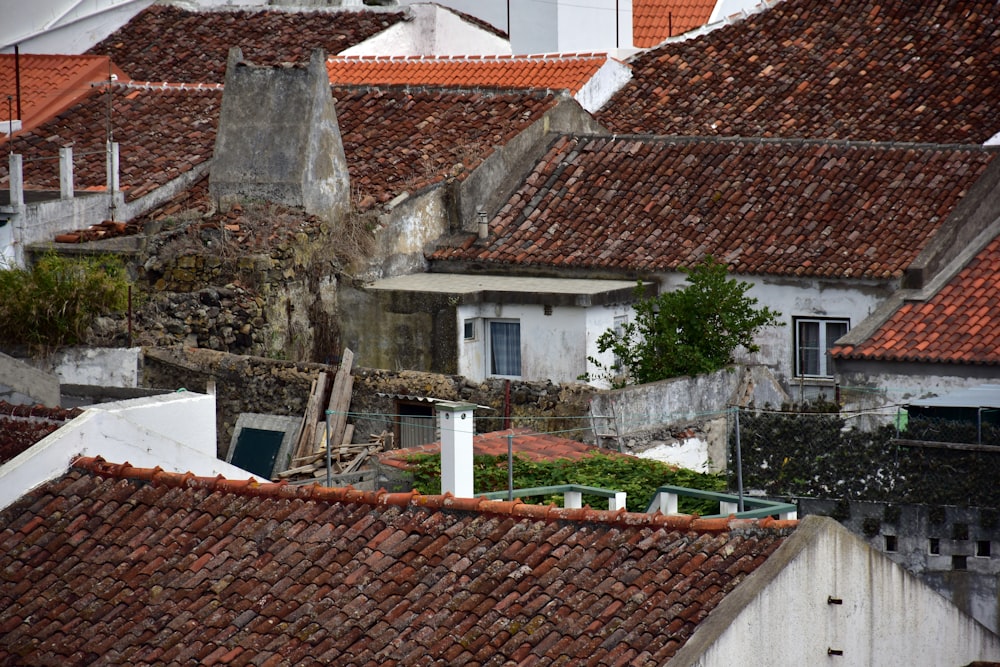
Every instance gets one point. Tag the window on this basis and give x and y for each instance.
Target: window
(470, 329)
(505, 348)
(934, 546)
(813, 340)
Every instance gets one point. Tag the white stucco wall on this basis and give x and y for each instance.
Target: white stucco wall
(434, 31)
(96, 366)
(887, 616)
(553, 347)
(608, 81)
(807, 297)
(62, 26)
(175, 432)
(594, 25)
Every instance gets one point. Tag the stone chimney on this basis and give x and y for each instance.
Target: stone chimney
(455, 423)
(278, 138)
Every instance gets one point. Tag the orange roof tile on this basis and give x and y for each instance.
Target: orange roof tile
(653, 21)
(49, 83)
(778, 207)
(958, 325)
(552, 72)
(139, 566)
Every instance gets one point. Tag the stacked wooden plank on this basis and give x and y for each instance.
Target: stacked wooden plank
(333, 401)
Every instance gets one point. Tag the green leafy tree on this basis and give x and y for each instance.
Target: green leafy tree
(689, 331)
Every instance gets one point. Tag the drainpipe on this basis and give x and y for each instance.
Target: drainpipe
(455, 423)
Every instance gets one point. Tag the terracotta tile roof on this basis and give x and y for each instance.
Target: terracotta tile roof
(527, 444)
(394, 139)
(552, 72)
(397, 139)
(21, 426)
(641, 204)
(958, 325)
(168, 43)
(856, 69)
(138, 566)
(163, 131)
(49, 83)
(653, 21)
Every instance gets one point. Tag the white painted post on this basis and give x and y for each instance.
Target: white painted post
(572, 500)
(618, 502)
(788, 515)
(667, 502)
(726, 509)
(455, 422)
(66, 172)
(112, 167)
(16, 171)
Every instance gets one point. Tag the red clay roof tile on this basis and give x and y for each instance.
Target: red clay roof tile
(49, 83)
(640, 204)
(470, 586)
(168, 43)
(552, 72)
(21, 426)
(958, 325)
(654, 21)
(857, 69)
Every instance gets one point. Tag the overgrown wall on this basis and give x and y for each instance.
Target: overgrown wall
(268, 386)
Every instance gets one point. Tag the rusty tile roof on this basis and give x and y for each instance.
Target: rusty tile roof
(49, 83)
(553, 72)
(855, 69)
(394, 139)
(958, 325)
(526, 444)
(653, 21)
(137, 566)
(164, 131)
(168, 43)
(641, 204)
(21, 426)
(406, 139)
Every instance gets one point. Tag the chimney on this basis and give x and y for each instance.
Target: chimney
(455, 423)
(484, 225)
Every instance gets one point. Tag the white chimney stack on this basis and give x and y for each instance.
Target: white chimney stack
(455, 422)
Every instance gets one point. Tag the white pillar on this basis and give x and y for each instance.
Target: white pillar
(66, 172)
(16, 172)
(455, 421)
(667, 502)
(728, 508)
(618, 502)
(572, 500)
(112, 167)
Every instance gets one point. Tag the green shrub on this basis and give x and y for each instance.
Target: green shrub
(54, 301)
(639, 478)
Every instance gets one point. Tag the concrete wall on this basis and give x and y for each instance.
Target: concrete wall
(174, 431)
(783, 613)
(42, 220)
(612, 76)
(877, 385)
(22, 383)
(904, 533)
(491, 184)
(95, 366)
(278, 139)
(432, 31)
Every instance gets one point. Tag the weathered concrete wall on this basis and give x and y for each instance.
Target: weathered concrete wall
(41, 221)
(254, 384)
(399, 330)
(278, 138)
(405, 232)
(492, 183)
(97, 366)
(883, 615)
(21, 383)
(966, 566)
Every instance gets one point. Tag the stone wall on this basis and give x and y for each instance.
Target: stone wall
(269, 386)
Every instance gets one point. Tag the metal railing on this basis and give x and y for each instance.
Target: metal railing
(572, 495)
(666, 499)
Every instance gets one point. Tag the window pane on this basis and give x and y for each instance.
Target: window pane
(834, 330)
(809, 348)
(505, 348)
